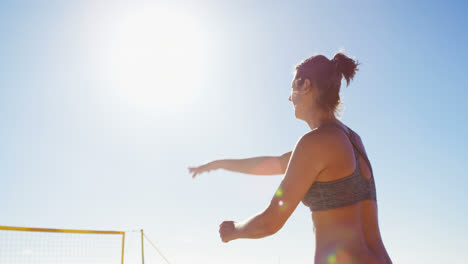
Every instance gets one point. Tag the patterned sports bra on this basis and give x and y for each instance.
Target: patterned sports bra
(344, 191)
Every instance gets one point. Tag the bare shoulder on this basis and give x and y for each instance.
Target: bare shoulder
(322, 138)
(313, 139)
(332, 143)
(316, 143)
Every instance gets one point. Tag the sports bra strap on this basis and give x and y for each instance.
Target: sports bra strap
(351, 138)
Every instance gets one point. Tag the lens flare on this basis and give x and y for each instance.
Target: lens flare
(339, 256)
(331, 259)
(279, 192)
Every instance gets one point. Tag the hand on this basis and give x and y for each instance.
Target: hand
(228, 231)
(203, 168)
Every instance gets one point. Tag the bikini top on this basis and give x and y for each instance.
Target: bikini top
(344, 191)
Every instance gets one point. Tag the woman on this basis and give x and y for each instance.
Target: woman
(328, 171)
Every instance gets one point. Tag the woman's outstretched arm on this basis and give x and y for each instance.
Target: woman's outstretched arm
(264, 165)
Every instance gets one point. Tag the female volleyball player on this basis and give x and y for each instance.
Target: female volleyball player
(328, 171)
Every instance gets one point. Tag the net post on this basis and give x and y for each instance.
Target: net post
(123, 247)
(142, 248)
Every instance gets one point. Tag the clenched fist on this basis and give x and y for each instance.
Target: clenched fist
(227, 231)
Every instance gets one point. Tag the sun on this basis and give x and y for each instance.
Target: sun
(156, 59)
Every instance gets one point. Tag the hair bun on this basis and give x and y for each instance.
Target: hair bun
(345, 66)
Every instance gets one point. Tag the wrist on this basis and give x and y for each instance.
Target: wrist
(217, 164)
(239, 230)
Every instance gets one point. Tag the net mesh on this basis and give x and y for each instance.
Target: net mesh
(17, 247)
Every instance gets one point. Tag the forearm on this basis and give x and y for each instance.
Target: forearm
(255, 227)
(265, 165)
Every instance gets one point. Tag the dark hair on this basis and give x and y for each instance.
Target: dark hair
(326, 75)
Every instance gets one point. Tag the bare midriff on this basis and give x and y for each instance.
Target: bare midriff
(340, 238)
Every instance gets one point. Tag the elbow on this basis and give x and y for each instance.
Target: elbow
(271, 222)
(273, 227)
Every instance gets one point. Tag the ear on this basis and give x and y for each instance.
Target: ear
(307, 86)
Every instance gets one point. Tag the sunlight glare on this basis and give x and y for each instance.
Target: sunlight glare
(156, 59)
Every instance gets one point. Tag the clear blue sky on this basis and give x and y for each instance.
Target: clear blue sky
(103, 106)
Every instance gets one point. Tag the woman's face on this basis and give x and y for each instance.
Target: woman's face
(302, 96)
(294, 92)
(296, 97)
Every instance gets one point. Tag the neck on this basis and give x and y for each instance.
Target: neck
(316, 118)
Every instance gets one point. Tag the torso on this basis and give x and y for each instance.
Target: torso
(346, 234)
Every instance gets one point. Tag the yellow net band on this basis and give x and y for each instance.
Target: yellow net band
(13, 228)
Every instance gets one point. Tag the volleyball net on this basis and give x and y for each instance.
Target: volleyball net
(53, 246)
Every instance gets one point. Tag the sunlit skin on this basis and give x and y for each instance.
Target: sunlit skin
(343, 235)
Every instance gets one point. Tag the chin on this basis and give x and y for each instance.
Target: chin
(297, 116)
